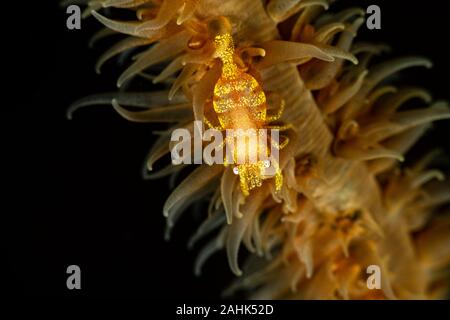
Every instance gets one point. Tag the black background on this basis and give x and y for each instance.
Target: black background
(72, 192)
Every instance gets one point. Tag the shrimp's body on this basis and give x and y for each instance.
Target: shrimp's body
(240, 104)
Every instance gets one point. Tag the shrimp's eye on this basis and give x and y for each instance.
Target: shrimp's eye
(219, 26)
(236, 170)
(266, 163)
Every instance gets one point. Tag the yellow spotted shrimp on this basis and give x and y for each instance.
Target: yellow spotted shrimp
(240, 105)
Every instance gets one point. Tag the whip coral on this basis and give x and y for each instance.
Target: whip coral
(342, 201)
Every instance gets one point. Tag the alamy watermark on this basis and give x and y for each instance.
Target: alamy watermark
(232, 146)
(74, 279)
(374, 280)
(373, 21)
(73, 21)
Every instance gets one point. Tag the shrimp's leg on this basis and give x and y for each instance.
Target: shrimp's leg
(277, 116)
(278, 174)
(281, 145)
(279, 128)
(210, 125)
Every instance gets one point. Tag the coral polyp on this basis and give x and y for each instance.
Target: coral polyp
(342, 200)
